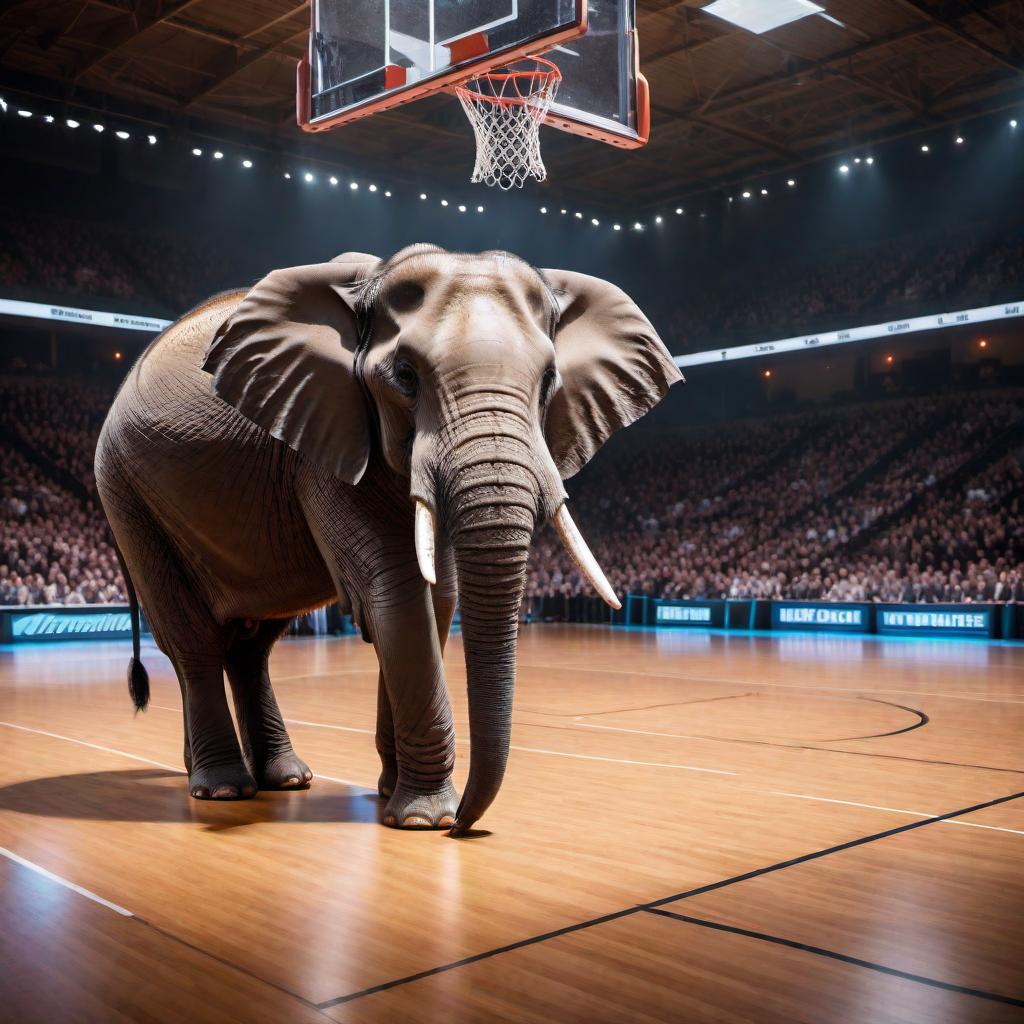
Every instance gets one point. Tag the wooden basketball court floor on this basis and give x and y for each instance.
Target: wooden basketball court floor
(693, 828)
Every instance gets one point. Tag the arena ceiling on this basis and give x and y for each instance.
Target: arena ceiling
(727, 104)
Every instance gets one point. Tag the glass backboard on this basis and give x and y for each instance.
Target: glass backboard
(366, 56)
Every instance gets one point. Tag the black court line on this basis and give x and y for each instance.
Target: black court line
(922, 720)
(833, 955)
(653, 904)
(801, 746)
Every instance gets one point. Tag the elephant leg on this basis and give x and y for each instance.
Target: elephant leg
(265, 742)
(187, 633)
(443, 596)
(217, 770)
(405, 636)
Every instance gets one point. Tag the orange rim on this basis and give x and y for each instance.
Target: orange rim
(544, 77)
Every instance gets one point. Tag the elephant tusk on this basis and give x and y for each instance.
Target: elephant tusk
(583, 556)
(425, 541)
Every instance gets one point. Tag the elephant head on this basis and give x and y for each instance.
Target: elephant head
(478, 379)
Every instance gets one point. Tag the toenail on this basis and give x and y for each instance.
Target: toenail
(224, 791)
(415, 821)
(389, 819)
(292, 780)
(447, 821)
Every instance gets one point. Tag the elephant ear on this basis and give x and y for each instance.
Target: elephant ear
(285, 360)
(614, 368)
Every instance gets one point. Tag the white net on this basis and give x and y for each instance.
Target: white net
(506, 109)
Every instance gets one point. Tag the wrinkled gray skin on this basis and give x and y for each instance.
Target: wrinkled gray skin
(263, 457)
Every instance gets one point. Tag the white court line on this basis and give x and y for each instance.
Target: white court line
(87, 893)
(896, 810)
(95, 746)
(641, 732)
(528, 750)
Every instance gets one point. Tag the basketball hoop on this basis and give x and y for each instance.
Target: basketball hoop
(506, 109)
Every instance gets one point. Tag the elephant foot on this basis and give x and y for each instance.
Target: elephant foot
(285, 771)
(407, 809)
(221, 783)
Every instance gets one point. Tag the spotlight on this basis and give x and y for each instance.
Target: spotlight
(856, 159)
(122, 135)
(637, 226)
(888, 359)
(48, 118)
(844, 168)
(354, 185)
(870, 160)
(462, 209)
(926, 148)
(308, 178)
(579, 216)
(564, 212)
(730, 199)
(196, 151)
(444, 202)
(767, 374)
(95, 127)
(764, 191)
(72, 123)
(287, 174)
(218, 155)
(151, 139)
(117, 356)
(3, 104)
(247, 164)
(595, 221)
(479, 209)
(617, 227)
(1013, 123)
(333, 180)
(791, 182)
(543, 209)
(657, 220)
(679, 211)
(387, 193)
(746, 195)
(24, 113)
(373, 188)
(959, 140)
(982, 343)
(423, 195)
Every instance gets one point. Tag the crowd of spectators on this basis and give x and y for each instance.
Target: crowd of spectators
(915, 499)
(868, 502)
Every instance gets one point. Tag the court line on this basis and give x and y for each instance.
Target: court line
(87, 893)
(528, 750)
(639, 908)
(922, 720)
(95, 746)
(804, 947)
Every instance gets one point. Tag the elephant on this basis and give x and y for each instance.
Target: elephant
(387, 434)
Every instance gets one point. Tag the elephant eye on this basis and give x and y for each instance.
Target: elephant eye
(405, 296)
(405, 378)
(547, 385)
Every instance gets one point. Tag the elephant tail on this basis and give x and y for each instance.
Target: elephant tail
(138, 677)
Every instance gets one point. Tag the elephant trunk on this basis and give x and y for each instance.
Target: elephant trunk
(493, 491)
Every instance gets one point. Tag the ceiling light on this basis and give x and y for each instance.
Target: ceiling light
(761, 15)
(387, 192)
(594, 221)
(870, 160)
(287, 175)
(657, 220)
(373, 188)
(24, 113)
(617, 227)
(844, 168)
(307, 177)
(196, 151)
(679, 211)
(925, 148)
(423, 195)
(565, 211)
(354, 185)
(791, 182)
(72, 123)
(96, 127)
(151, 139)
(764, 191)
(479, 209)
(746, 195)
(122, 135)
(247, 164)
(543, 209)
(637, 226)
(333, 180)
(959, 140)
(462, 209)
(218, 155)
(856, 159)
(48, 118)
(1013, 123)
(444, 202)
